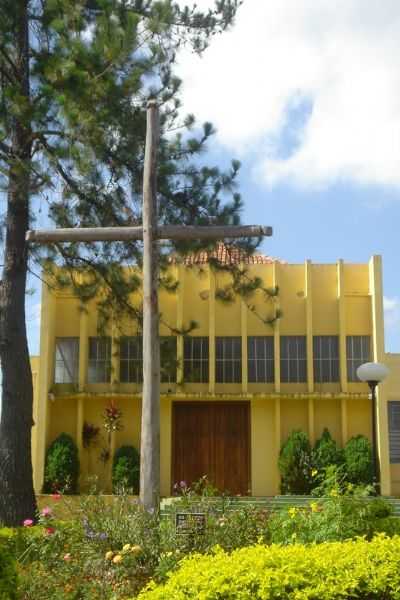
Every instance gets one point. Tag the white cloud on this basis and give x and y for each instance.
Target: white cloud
(342, 57)
(391, 308)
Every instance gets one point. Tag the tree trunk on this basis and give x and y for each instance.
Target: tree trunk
(150, 429)
(17, 499)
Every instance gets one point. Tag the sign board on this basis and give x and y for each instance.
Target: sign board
(190, 522)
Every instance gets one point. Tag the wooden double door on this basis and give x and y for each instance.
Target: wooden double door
(213, 439)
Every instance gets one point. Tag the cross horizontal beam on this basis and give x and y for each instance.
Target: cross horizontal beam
(164, 232)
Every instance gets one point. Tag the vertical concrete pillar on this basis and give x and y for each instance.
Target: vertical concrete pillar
(166, 447)
(46, 379)
(344, 420)
(243, 324)
(311, 420)
(277, 443)
(211, 334)
(80, 419)
(342, 327)
(309, 325)
(378, 355)
(83, 348)
(180, 276)
(277, 347)
(115, 354)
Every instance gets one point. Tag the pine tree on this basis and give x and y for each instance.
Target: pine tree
(75, 76)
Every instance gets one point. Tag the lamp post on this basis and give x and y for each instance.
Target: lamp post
(373, 373)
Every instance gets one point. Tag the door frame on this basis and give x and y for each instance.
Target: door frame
(246, 403)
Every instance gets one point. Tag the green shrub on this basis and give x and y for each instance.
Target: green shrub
(358, 460)
(126, 470)
(295, 464)
(352, 569)
(335, 518)
(62, 466)
(8, 573)
(326, 452)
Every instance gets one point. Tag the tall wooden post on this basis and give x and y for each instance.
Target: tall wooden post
(150, 432)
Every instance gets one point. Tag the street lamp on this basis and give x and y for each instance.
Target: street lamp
(373, 373)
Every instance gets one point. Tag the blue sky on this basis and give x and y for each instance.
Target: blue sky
(306, 95)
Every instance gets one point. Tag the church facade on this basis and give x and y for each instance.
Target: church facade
(236, 385)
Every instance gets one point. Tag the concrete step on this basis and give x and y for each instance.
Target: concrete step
(267, 502)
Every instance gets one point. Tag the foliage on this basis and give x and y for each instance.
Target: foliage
(334, 518)
(326, 452)
(62, 465)
(8, 572)
(358, 460)
(75, 78)
(357, 569)
(89, 434)
(295, 464)
(126, 470)
(304, 470)
(111, 548)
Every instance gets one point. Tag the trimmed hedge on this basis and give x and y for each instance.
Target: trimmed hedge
(352, 569)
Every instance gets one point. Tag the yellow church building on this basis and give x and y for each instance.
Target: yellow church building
(238, 386)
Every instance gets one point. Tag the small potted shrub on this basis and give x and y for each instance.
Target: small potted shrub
(295, 464)
(62, 466)
(358, 460)
(126, 470)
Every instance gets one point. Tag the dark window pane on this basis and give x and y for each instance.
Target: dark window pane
(252, 372)
(228, 369)
(124, 371)
(124, 348)
(219, 372)
(271, 372)
(302, 371)
(238, 372)
(196, 348)
(285, 371)
(301, 346)
(251, 347)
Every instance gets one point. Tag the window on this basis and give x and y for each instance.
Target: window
(228, 360)
(131, 360)
(293, 359)
(99, 360)
(168, 360)
(195, 359)
(260, 359)
(67, 360)
(326, 358)
(394, 431)
(358, 353)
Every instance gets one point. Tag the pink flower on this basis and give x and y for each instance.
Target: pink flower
(67, 557)
(50, 530)
(56, 496)
(46, 512)
(27, 523)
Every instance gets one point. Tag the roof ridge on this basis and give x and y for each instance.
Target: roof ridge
(226, 256)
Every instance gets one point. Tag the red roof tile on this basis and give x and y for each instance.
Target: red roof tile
(227, 256)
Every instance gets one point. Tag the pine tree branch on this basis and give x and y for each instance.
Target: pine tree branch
(10, 62)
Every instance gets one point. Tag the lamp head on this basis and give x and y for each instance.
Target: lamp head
(372, 372)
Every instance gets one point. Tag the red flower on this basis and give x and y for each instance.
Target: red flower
(50, 530)
(56, 496)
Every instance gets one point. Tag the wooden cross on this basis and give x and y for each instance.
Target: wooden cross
(150, 233)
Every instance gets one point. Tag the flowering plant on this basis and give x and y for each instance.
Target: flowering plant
(112, 418)
(89, 434)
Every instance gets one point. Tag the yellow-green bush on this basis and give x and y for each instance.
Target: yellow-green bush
(351, 569)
